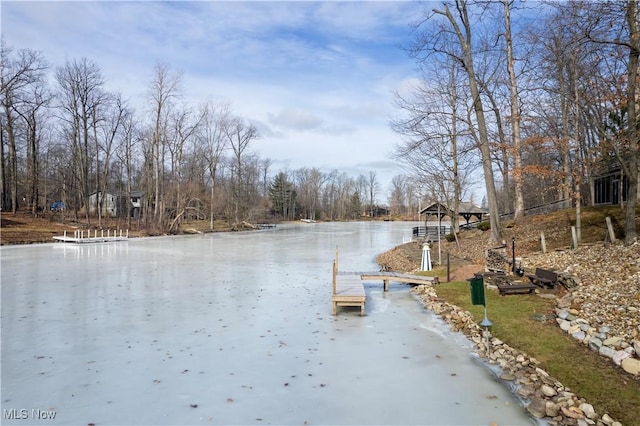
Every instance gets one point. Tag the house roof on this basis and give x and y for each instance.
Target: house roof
(120, 193)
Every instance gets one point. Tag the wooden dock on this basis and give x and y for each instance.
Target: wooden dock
(348, 291)
(385, 277)
(348, 287)
(80, 237)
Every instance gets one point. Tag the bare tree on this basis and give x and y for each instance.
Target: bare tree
(23, 94)
(114, 118)
(127, 143)
(515, 116)
(265, 165)
(164, 88)
(309, 183)
(80, 96)
(373, 186)
(612, 27)
(239, 135)
(436, 146)
(213, 142)
(398, 194)
(184, 125)
(633, 130)
(453, 38)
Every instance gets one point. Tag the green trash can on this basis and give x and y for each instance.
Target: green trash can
(477, 289)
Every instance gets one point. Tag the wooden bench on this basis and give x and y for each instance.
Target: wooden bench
(512, 288)
(543, 278)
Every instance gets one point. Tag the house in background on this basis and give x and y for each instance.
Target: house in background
(110, 204)
(377, 211)
(116, 205)
(611, 186)
(136, 203)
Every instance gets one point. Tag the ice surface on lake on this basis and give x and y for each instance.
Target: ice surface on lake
(230, 329)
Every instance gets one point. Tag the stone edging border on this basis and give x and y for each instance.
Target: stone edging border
(548, 398)
(616, 348)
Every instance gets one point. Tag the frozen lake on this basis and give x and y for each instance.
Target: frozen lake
(230, 329)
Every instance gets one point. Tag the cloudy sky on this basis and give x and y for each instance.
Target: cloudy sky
(316, 78)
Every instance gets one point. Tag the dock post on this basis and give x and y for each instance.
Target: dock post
(335, 268)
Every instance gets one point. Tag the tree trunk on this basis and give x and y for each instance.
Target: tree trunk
(633, 132)
(33, 164)
(515, 120)
(483, 137)
(12, 172)
(3, 176)
(213, 183)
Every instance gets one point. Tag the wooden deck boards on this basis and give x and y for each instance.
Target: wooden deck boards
(348, 291)
(86, 240)
(395, 276)
(348, 287)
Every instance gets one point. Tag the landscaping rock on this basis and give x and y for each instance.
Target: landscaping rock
(631, 366)
(552, 409)
(537, 408)
(564, 325)
(572, 412)
(526, 391)
(612, 341)
(588, 410)
(620, 356)
(579, 335)
(607, 351)
(607, 420)
(595, 344)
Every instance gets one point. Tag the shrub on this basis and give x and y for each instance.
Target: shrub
(450, 237)
(483, 226)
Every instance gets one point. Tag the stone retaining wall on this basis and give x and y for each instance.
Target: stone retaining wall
(546, 398)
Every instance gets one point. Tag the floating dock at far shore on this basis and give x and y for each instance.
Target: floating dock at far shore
(80, 237)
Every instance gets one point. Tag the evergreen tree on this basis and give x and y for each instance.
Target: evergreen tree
(282, 196)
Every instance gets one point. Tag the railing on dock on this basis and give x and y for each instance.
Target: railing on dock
(431, 232)
(81, 236)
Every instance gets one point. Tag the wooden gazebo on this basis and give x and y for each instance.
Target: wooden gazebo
(465, 209)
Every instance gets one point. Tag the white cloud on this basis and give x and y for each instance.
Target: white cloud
(316, 78)
(296, 119)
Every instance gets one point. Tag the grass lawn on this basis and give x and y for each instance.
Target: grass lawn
(607, 387)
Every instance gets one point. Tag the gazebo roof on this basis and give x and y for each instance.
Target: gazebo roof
(434, 208)
(464, 208)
